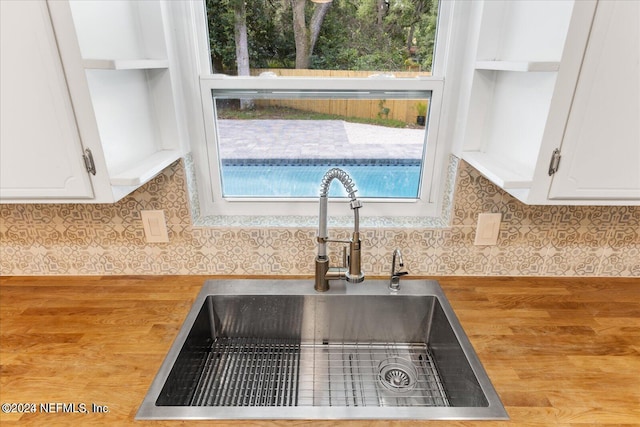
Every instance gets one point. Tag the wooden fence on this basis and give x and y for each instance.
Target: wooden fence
(398, 109)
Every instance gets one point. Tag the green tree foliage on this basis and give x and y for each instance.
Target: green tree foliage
(270, 35)
(380, 35)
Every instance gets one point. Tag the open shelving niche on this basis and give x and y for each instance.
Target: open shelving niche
(520, 47)
(130, 87)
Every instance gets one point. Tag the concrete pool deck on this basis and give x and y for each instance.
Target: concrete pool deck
(316, 139)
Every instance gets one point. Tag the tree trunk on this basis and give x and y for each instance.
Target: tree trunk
(420, 9)
(242, 46)
(317, 19)
(412, 30)
(301, 34)
(381, 12)
(306, 36)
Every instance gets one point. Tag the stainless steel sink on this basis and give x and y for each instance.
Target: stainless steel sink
(276, 349)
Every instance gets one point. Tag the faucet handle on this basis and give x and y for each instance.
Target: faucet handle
(394, 281)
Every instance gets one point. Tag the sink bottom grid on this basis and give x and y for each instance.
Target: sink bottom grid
(275, 372)
(356, 374)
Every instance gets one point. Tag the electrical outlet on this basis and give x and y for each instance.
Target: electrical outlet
(488, 229)
(155, 226)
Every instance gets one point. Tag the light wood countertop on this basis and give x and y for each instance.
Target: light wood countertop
(559, 351)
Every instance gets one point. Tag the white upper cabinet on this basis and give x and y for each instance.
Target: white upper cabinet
(110, 59)
(41, 152)
(557, 75)
(601, 143)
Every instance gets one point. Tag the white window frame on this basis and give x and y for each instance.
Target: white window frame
(209, 198)
(306, 206)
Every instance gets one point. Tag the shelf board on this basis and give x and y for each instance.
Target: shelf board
(125, 64)
(145, 170)
(523, 66)
(501, 173)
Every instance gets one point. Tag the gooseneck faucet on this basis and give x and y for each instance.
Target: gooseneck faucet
(351, 270)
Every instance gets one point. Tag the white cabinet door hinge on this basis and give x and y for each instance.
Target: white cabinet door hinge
(88, 161)
(555, 161)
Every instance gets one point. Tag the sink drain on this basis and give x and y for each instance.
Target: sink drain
(397, 374)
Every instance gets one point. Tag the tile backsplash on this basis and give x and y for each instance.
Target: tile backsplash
(70, 239)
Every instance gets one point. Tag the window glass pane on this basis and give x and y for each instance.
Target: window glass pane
(364, 35)
(271, 145)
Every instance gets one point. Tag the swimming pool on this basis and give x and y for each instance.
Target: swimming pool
(374, 178)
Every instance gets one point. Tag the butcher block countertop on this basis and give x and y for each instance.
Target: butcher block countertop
(559, 351)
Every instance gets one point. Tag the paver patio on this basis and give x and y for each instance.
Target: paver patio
(316, 139)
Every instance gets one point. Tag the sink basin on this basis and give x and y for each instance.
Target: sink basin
(276, 349)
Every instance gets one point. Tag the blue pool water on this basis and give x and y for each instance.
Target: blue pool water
(277, 178)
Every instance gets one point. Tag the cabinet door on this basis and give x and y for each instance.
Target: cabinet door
(40, 148)
(601, 144)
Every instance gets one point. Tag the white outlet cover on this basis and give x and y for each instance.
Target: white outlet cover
(155, 226)
(488, 229)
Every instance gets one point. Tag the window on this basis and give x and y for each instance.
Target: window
(283, 145)
(272, 136)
